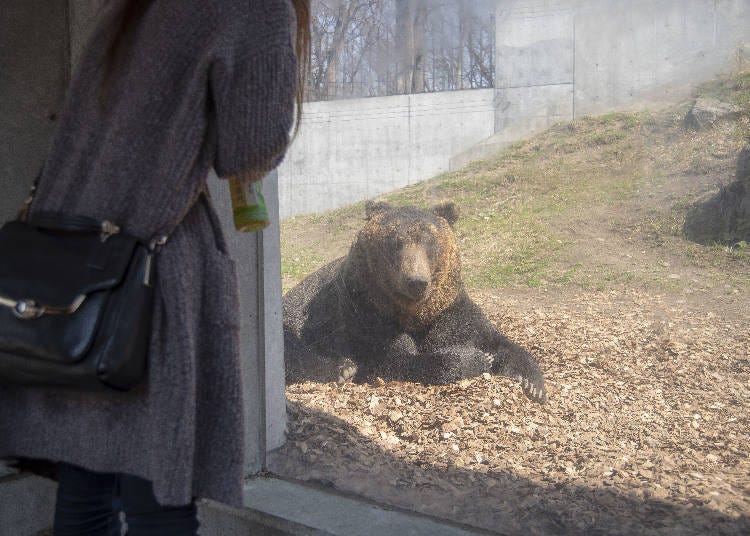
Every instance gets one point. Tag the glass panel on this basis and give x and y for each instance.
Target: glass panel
(584, 161)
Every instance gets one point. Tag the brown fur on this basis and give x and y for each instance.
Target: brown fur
(445, 279)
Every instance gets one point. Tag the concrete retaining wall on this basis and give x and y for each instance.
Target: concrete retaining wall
(350, 150)
(561, 59)
(556, 60)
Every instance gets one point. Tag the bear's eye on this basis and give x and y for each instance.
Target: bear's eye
(432, 248)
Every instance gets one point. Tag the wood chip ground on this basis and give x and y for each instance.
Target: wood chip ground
(645, 432)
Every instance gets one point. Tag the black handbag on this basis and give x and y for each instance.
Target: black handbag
(76, 297)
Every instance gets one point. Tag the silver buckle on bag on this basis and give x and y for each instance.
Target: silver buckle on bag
(154, 246)
(108, 229)
(29, 309)
(157, 243)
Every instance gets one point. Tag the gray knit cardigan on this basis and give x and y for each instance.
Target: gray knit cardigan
(208, 83)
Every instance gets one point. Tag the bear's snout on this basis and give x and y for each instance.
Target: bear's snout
(417, 286)
(415, 271)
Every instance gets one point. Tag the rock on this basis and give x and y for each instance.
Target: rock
(743, 166)
(724, 218)
(395, 416)
(452, 426)
(742, 223)
(706, 112)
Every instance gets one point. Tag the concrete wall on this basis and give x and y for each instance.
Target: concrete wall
(82, 16)
(561, 59)
(350, 150)
(27, 504)
(556, 60)
(39, 42)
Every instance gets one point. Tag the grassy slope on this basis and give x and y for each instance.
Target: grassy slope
(595, 203)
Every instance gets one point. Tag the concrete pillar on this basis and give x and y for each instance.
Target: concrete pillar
(34, 59)
(258, 258)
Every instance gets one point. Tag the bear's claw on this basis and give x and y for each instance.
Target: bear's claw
(347, 371)
(537, 393)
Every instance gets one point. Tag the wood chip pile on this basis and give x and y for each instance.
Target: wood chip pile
(645, 432)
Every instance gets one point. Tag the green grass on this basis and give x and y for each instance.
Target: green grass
(300, 262)
(734, 89)
(566, 207)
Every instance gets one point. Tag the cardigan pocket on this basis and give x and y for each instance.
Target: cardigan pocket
(221, 304)
(220, 300)
(220, 241)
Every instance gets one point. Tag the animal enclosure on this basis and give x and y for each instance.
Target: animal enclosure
(572, 243)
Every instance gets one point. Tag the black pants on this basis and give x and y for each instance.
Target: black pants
(89, 504)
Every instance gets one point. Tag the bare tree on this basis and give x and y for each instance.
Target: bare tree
(336, 27)
(410, 35)
(384, 47)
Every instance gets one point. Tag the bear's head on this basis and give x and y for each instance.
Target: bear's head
(411, 260)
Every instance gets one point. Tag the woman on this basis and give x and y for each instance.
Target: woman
(165, 90)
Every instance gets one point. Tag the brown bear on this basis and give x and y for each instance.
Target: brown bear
(395, 308)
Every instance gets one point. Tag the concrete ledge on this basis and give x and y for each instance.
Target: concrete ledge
(27, 504)
(220, 520)
(294, 508)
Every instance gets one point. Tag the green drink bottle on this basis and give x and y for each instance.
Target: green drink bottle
(248, 206)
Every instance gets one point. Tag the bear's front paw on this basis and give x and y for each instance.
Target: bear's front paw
(347, 369)
(523, 367)
(535, 390)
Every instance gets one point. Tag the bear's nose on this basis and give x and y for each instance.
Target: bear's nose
(416, 286)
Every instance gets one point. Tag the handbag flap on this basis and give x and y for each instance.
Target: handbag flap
(56, 268)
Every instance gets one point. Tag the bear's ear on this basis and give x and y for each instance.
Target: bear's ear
(375, 207)
(447, 210)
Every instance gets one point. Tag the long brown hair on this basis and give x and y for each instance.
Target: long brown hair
(132, 12)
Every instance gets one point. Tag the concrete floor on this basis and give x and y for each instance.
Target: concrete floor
(274, 507)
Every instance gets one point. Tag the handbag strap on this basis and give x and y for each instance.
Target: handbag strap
(74, 224)
(23, 214)
(63, 222)
(56, 220)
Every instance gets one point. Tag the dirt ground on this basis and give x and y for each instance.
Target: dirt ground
(645, 432)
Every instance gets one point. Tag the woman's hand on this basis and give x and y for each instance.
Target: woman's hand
(249, 177)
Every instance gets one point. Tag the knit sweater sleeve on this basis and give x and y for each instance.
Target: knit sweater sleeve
(253, 83)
